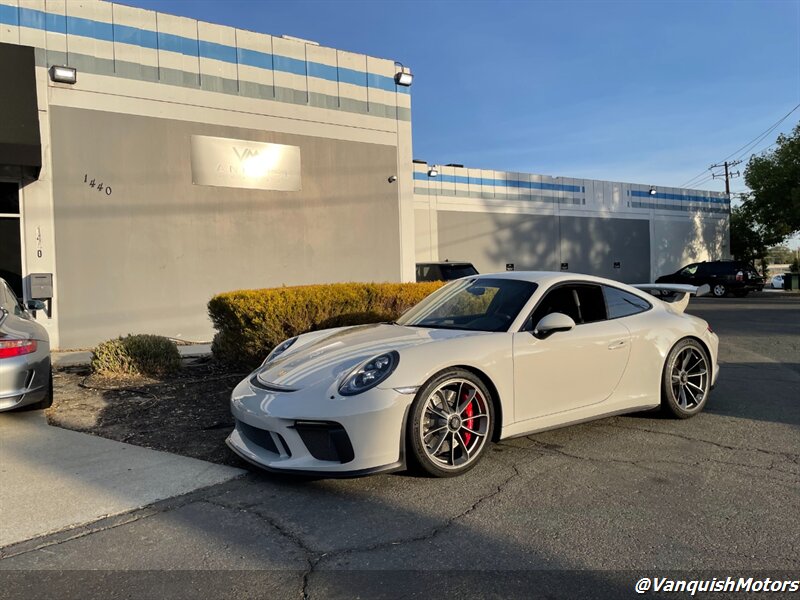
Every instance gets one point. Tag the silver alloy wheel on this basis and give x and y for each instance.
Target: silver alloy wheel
(689, 378)
(455, 424)
(719, 290)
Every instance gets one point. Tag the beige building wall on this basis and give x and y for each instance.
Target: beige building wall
(148, 80)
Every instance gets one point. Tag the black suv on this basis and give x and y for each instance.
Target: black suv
(444, 271)
(722, 276)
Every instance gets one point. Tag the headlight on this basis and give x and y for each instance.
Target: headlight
(369, 374)
(278, 350)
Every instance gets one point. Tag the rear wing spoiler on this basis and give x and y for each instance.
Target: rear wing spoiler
(674, 293)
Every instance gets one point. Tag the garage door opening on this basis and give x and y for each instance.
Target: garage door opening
(10, 242)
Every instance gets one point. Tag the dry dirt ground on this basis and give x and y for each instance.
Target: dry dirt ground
(186, 413)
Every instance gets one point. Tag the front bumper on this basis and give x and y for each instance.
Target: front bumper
(316, 431)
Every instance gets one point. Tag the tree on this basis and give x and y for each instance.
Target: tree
(774, 178)
(780, 255)
(747, 241)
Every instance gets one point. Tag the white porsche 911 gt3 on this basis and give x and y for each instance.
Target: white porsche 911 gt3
(484, 358)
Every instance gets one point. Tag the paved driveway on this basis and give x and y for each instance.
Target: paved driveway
(52, 479)
(601, 502)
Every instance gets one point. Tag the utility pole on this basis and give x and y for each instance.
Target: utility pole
(727, 175)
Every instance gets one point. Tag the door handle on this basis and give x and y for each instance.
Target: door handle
(617, 344)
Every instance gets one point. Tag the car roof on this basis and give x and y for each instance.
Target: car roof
(445, 262)
(551, 277)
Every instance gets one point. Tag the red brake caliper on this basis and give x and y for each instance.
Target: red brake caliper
(469, 411)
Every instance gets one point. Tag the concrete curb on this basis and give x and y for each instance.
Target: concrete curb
(83, 357)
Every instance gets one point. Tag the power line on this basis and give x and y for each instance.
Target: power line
(693, 181)
(765, 148)
(702, 177)
(761, 136)
(696, 184)
(696, 180)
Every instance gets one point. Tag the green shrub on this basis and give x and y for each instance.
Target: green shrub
(250, 323)
(136, 355)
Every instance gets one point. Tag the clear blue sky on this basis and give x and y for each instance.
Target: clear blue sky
(646, 91)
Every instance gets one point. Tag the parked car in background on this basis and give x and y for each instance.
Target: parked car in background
(722, 276)
(777, 282)
(25, 374)
(444, 271)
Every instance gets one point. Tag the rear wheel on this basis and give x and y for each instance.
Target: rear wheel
(686, 379)
(450, 423)
(719, 290)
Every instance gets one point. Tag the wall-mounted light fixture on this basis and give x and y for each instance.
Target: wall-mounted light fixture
(392, 179)
(63, 74)
(433, 171)
(403, 76)
(653, 191)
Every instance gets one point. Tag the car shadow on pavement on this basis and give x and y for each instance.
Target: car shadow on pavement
(262, 536)
(760, 391)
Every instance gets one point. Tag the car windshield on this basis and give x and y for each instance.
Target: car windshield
(473, 304)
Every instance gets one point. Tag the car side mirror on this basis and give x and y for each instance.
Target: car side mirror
(552, 323)
(36, 305)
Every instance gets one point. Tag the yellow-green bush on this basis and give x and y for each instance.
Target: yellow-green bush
(250, 323)
(136, 355)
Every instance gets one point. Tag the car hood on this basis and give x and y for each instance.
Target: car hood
(329, 357)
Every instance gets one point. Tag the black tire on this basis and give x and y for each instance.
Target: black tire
(686, 379)
(719, 290)
(464, 440)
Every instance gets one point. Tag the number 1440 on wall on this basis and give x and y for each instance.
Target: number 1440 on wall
(98, 186)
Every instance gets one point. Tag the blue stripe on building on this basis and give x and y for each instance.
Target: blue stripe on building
(666, 196)
(512, 183)
(99, 30)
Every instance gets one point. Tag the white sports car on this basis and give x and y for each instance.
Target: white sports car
(482, 359)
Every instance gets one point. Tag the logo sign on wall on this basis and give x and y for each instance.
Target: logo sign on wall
(224, 162)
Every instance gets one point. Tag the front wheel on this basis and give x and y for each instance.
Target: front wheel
(450, 423)
(686, 379)
(719, 290)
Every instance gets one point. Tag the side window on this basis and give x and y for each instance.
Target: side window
(428, 273)
(690, 270)
(707, 269)
(582, 303)
(623, 304)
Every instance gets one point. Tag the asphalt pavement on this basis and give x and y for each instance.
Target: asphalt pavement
(581, 511)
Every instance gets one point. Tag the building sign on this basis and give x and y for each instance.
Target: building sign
(225, 162)
(509, 266)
